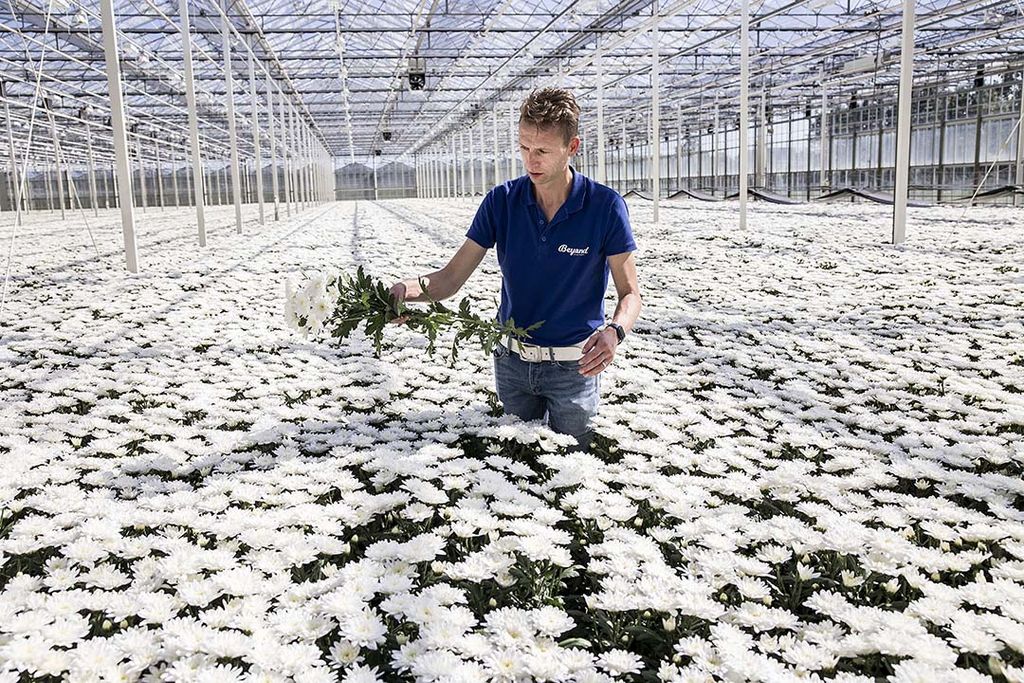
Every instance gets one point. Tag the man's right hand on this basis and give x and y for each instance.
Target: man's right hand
(398, 292)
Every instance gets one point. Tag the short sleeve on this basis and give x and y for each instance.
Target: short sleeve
(483, 231)
(618, 238)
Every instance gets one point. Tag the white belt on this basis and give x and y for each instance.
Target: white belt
(539, 354)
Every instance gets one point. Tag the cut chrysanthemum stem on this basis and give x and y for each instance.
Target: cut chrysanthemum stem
(360, 300)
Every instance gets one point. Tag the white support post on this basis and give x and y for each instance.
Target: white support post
(483, 162)
(48, 177)
(106, 189)
(229, 83)
(300, 165)
(142, 172)
(1019, 176)
(679, 147)
(513, 148)
(174, 179)
(376, 191)
(471, 151)
(823, 156)
(624, 148)
(193, 125)
(293, 155)
(300, 162)
(455, 176)
(744, 107)
(159, 175)
(602, 176)
(92, 167)
(497, 155)
(273, 150)
(286, 158)
(899, 215)
(56, 159)
(15, 174)
(307, 135)
(118, 130)
(213, 187)
(655, 118)
(760, 159)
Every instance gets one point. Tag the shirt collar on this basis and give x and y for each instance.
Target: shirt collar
(573, 203)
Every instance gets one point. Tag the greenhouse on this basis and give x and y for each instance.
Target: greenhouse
(665, 340)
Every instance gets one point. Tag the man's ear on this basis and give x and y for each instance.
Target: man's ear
(574, 146)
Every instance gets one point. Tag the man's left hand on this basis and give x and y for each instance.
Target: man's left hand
(598, 352)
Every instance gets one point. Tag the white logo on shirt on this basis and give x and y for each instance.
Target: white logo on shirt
(571, 251)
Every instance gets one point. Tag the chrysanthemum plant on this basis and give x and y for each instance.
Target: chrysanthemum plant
(337, 306)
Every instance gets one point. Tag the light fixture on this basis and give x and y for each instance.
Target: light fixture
(417, 73)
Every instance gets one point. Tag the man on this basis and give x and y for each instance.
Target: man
(558, 235)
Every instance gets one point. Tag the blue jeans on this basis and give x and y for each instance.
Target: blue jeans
(552, 388)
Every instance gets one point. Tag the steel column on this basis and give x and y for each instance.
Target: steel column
(744, 104)
(655, 116)
(193, 124)
(229, 83)
(159, 175)
(899, 216)
(56, 159)
(273, 149)
(92, 168)
(1019, 175)
(118, 132)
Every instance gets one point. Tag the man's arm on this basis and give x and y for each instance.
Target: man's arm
(623, 267)
(445, 282)
(599, 350)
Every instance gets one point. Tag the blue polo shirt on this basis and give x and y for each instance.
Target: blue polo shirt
(554, 271)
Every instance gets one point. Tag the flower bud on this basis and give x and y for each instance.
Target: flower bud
(669, 623)
(401, 639)
(107, 625)
(355, 538)
(492, 603)
(637, 522)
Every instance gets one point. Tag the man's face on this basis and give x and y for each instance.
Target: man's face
(545, 153)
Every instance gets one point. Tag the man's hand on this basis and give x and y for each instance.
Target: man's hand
(598, 352)
(398, 292)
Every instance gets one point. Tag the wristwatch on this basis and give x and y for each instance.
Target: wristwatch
(619, 332)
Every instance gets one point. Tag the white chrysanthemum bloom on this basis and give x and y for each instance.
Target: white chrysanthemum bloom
(364, 629)
(620, 662)
(361, 673)
(218, 673)
(343, 653)
(551, 621)
(504, 664)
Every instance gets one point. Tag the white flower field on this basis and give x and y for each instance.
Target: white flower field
(810, 461)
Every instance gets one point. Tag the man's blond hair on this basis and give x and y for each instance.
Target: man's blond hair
(552, 108)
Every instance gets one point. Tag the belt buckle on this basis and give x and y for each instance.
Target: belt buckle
(528, 352)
